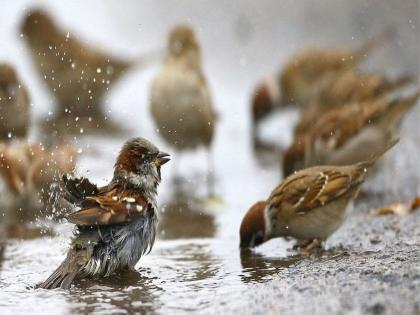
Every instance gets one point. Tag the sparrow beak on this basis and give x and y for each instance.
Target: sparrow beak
(162, 158)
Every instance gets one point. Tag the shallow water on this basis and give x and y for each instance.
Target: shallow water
(196, 265)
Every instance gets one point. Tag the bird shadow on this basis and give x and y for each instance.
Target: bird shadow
(120, 289)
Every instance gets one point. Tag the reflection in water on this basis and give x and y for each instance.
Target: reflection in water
(259, 268)
(267, 155)
(185, 220)
(193, 263)
(2, 247)
(184, 216)
(128, 292)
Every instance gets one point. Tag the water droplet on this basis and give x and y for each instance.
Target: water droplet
(99, 70)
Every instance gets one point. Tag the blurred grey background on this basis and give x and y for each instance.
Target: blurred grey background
(242, 41)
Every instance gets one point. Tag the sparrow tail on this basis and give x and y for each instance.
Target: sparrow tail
(399, 82)
(378, 154)
(378, 40)
(62, 277)
(148, 58)
(398, 108)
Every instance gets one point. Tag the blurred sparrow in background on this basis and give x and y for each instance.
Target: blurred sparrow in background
(348, 87)
(349, 133)
(180, 101)
(29, 170)
(14, 105)
(116, 224)
(298, 81)
(77, 75)
(309, 205)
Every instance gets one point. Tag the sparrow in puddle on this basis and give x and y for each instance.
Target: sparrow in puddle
(78, 75)
(14, 105)
(298, 81)
(115, 224)
(309, 205)
(349, 133)
(180, 100)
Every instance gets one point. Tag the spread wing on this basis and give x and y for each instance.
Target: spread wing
(111, 207)
(77, 189)
(305, 191)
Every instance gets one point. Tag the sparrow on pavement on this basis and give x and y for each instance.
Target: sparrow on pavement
(14, 105)
(348, 87)
(77, 74)
(115, 224)
(180, 100)
(309, 205)
(298, 81)
(348, 133)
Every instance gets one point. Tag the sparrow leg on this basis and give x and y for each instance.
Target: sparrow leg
(177, 179)
(210, 173)
(307, 247)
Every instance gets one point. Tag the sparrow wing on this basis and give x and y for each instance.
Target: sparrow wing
(77, 189)
(337, 126)
(305, 191)
(112, 207)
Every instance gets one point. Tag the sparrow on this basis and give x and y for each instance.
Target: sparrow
(29, 170)
(349, 133)
(180, 100)
(116, 223)
(348, 87)
(309, 205)
(77, 74)
(297, 82)
(14, 105)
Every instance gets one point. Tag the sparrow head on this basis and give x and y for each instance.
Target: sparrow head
(261, 103)
(139, 163)
(37, 24)
(293, 158)
(253, 230)
(181, 40)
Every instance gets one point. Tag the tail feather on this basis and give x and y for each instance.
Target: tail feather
(148, 58)
(378, 154)
(397, 110)
(378, 40)
(62, 277)
(399, 82)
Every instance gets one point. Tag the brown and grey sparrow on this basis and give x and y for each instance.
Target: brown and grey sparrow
(115, 224)
(14, 105)
(310, 204)
(77, 75)
(349, 133)
(298, 81)
(347, 87)
(180, 100)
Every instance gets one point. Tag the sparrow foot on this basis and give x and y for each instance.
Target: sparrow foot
(309, 247)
